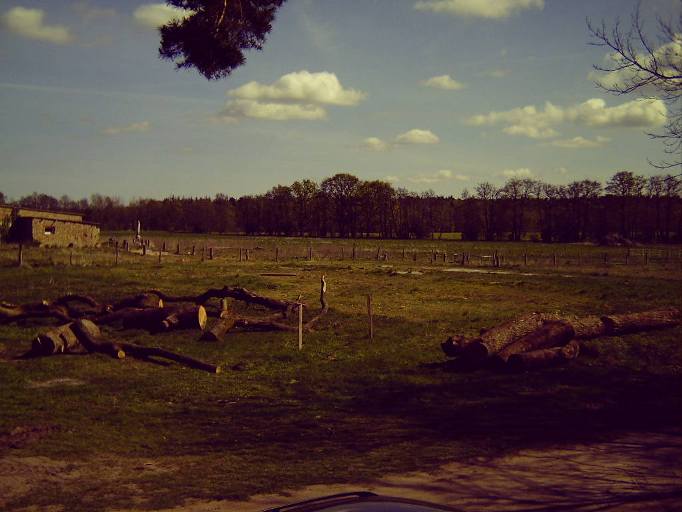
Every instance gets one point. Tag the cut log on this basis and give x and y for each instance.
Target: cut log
(639, 322)
(58, 340)
(544, 357)
(167, 318)
(219, 329)
(587, 327)
(141, 301)
(495, 339)
(190, 317)
(549, 334)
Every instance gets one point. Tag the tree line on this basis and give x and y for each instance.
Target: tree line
(627, 205)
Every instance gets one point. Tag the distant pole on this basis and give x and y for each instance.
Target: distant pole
(414, 256)
(203, 253)
(193, 250)
(354, 251)
(163, 247)
(277, 253)
(646, 257)
(310, 253)
(300, 326)
(210, 253)
(246, 251)
(525, 259)
(554, 259)
(342, 253)
(378, 252)
(116, 252)
(71, 257)
(144, 250)
(159, 256)
(403, 253)
(177, 248)
(240, 254)
(370, 317)
(20, 256)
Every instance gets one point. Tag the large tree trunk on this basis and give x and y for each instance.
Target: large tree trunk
(638, 322)
(495, 339)
(234, 292)
(544, 357)
(549, 334)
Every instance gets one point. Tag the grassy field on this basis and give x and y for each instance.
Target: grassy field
(134, 434)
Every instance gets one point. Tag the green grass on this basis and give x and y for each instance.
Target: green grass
(343, 409)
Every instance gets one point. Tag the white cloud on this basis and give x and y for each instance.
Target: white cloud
(375, 144)
(445, 82)
(297, 95)
(237, 109)
(497, 73)
(391, 179)
(538, 124)
(302, 86)
(438, 176)
(417, 136)
(142, 126)
(90, 12)
(580, 142)
(29, 23)
(491, 9)
(668, 58)
(523, 172)
(157, 15)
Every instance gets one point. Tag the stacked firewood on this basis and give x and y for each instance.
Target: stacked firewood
(80, 318)
(537, 340)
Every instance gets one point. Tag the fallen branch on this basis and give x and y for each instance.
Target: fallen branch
(12, 313)
(84, 334)
(234, 292)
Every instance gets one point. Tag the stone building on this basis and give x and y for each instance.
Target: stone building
(48, 228)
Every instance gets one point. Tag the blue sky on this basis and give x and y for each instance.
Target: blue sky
(430, 94)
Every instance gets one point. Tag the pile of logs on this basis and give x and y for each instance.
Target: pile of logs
(80, 318)
(538, 340)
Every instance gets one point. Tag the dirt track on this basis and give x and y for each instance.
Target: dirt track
(633, 472)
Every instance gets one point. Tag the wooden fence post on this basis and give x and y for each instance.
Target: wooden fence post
(370, 316)
(163, 246)
(20, 256)
(646, 257)
(144, 250)
(310, 253)
(403, 253)
(177, 248)
(240, 254)
(525, 259)
(116, 253)
(210, 253)
(354, 252)
(277, 253)
(159, 256)
(246, 253)
(194, 250)
(300, 326)
(554, 259)
(70, 256)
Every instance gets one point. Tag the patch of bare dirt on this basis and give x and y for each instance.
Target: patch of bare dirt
(21, 476)
(635, 472)
(54, 383)
(24, 435)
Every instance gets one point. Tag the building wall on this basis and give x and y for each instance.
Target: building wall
(54, 233)
(58, 233)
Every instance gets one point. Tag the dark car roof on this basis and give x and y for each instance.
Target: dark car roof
(362, 501)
